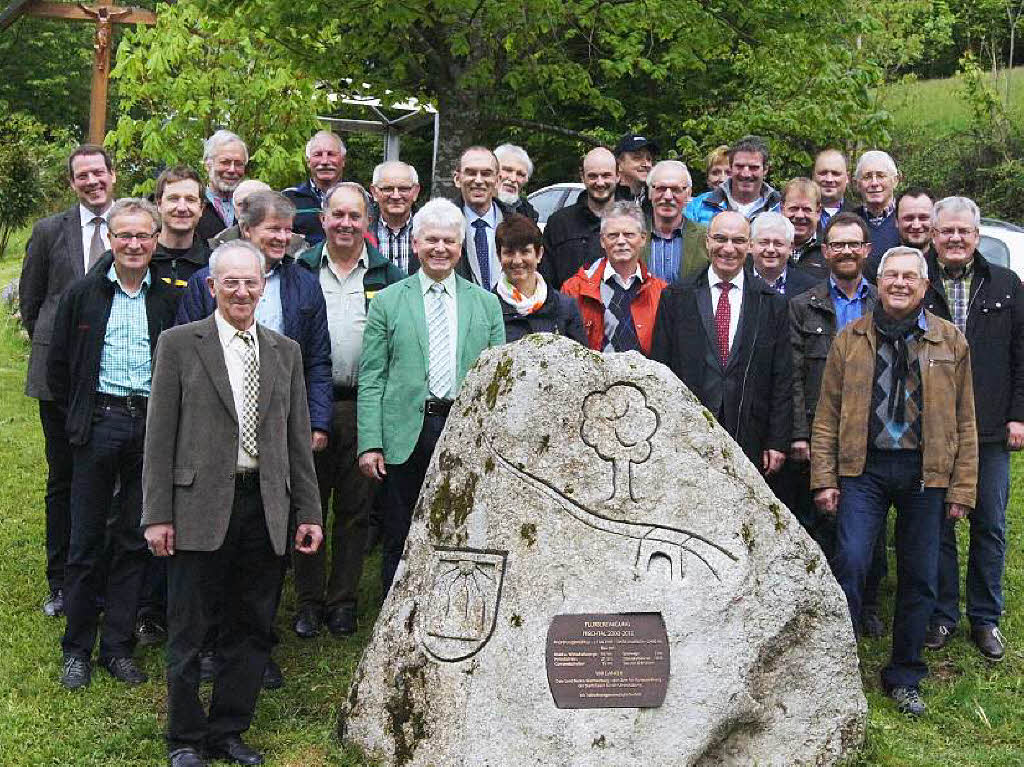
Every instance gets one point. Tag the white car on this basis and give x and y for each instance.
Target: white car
(1003, 244)
(554, 197)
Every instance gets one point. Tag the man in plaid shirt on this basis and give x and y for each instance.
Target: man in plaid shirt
(395, 188)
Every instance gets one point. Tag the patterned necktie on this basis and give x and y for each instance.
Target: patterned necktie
(96, 247)
(624, 338)
(482, 253)
(723, 314)
(249, 417)
(440, 377)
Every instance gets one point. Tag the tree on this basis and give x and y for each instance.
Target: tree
(619, 425)
(191, 74)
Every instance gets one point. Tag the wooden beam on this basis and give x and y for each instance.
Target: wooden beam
(53, 10)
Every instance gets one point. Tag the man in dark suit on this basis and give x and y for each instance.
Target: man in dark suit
(477, 179)
(801, 204)
(770, 247)
(725, 334)
(62, 247)
(228, 472)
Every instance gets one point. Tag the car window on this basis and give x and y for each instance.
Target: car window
(572, 197)
(547, 201)
(994, 251)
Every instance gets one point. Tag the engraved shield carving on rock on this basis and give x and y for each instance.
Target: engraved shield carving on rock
(457, 612)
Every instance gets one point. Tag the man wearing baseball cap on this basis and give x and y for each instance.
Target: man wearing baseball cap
(635, 155)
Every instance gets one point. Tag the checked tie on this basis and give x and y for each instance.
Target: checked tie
(440, 377)
(249, 417)
(482, 253)
(624, 338)
(722, 317)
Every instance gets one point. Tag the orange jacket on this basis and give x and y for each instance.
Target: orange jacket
(585, 287)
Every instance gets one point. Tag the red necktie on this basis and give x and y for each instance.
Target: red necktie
(722, 317)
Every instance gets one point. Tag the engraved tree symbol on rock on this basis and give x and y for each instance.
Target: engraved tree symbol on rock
(618, 424)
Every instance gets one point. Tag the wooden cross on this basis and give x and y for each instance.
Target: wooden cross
(104, 15)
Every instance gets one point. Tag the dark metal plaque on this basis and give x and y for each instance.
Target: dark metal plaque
(608, 660)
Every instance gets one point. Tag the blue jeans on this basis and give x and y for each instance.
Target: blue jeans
(893, 477)
(987, 551)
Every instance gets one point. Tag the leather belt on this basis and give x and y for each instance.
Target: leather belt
(437, 407)
(247, 480)
(133, 403)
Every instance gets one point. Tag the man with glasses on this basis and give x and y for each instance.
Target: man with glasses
(678, 246)
(895, 425)
(986, 303)
(99, 370)
(815, 319)
(724, 333)
(877, 176)
(396, 185)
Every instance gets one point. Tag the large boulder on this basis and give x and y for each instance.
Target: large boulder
(569, 483)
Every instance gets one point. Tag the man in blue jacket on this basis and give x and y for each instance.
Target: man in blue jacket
(325, 156)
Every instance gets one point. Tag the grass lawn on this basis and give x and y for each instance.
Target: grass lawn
(974, 708)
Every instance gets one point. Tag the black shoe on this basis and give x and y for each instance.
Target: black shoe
(77, 672)
(307, 622)
(273, 679)
(185, 757)
(234, 750)
(938, 636)
(871, 623)
(150, 630)
(908, 700)
(124, 670)
(989, 640)
(207, 666)
(53, 607)
(341, 621)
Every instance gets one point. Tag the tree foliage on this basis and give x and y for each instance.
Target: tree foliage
(192, 74)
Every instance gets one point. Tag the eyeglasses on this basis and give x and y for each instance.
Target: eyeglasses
(841, 246)
(721, 239)
(675, 190)
(402, 190)
(911, 278)
(950, 231)
(233, 283)
(129, 236)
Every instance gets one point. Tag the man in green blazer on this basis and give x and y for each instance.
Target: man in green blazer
(421, 336)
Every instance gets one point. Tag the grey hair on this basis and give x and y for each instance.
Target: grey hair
(247, 187)
(233, 245)
(873, 155)
(625, 209)
(680, 166)
(772, 220)
(127, 205)
(259, 206)
(957, 205)
(514, 152)
(439, 214)
(343, 185)
(325, 134)
(398, 165)
(218, 141)
(903, 250)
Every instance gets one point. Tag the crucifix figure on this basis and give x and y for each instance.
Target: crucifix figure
(104, 15)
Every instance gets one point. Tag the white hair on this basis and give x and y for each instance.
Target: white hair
(903, 250)
(395, 165)
(957, 205)
(439, 213)
(876, 155)
(515, 153)
(680, 166)
(328, 135)
(232, 245)
(774, 222)
(218, 141)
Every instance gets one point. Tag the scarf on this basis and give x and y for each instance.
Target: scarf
(522, 304)
(897, 333)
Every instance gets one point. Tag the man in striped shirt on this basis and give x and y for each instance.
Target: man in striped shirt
(678, 246)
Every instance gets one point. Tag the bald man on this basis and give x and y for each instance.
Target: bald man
(572, 237)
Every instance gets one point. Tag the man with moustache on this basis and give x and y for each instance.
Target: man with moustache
(877, 176)
(745, 191)
(396, 185)
(60, 250)
(422, 335)
(225, 157)
(351, 272)
(477, 180)
(572, 236)
(677, 247)
(514, 171)
(99, 371)
(725, 335)
(325, 158)
(832, 177)
(179, 253)
(228, 474)
(986, 303)
(801, 204)
(771, 240)
(634, 156)
(895, 425)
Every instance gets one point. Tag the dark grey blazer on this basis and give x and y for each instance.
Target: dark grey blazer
(192, 439)
(53, 260)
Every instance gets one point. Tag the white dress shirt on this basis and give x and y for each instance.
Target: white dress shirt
(491, 219)
(453, 319)
(87, 231)
(234, 349)
(735, 299)
(625, 284)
